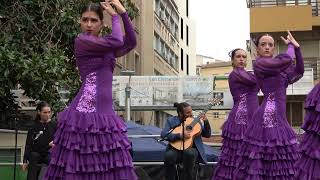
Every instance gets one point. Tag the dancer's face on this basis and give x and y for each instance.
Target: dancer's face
(240, 58)
(91, 23)
(45, 114)
(265, 46)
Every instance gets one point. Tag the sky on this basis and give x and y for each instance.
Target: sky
(221, 25)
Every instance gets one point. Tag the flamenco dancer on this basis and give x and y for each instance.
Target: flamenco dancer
(244, 91)
(270, 147)
(308, 166)
(91, 141)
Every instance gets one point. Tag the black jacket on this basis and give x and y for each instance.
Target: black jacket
(38, 138)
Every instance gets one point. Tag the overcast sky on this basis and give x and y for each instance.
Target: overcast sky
(221, 25)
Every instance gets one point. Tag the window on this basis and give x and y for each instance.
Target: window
(181, 59)
(187, 35)
(137, 64)
(176, 61)
(198, 70)
(187, 8)
(215, 114)
(157, 43)
(295, 113)
(187, 64)
(181, 25)
(157, 6)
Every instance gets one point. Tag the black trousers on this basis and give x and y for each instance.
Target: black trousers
(34, 166)
(188, 158)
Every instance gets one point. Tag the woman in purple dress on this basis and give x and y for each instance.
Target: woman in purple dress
(91, 141)
(244, 91)
(308, 166)
(270, 146)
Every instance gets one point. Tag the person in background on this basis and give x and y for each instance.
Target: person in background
(244, 90)
(39, 141)
(308, 166)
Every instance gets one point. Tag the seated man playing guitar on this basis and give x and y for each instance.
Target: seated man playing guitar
(192, 145)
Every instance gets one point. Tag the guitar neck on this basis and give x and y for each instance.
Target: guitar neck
(197, 119)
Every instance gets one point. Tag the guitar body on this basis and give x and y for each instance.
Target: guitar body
(195, 131)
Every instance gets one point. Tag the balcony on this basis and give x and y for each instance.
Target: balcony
(282, 15)
(271, 3)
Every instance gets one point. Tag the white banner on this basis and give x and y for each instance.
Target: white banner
(163, 90)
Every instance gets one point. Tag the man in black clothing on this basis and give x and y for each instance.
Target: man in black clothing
(188, 156)
(39, 141)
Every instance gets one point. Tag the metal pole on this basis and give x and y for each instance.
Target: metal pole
(15, 148)
(128, 92)
(128, 102)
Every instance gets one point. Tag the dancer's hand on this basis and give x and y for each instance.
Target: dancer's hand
(117, 4)
(290, 39)
(24, 167)
(107, 7)
(51, 144)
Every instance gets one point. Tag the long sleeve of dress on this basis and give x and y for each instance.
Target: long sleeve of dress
(242, 76)
(27, 149)
(290, 50)
(294, 73)
(268, 66)
(130, 40)
(88, 45)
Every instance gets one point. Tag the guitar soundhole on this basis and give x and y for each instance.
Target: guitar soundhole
(189, 128)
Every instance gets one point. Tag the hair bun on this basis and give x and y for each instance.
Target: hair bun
(176, 104)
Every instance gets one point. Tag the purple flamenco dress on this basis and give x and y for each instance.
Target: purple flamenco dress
(308, 166)
(91, 141)
(270, 146)
(244, 91)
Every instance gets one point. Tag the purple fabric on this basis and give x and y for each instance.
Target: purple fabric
(270, 147)
(244, 90)
(308, 166)
(242, 111)
(294, 73)
(244, 77)
(265, 66)
(269, 119)
(87, 102)
(87, 45)
(130, 38)
(290, 50)
(91, 141)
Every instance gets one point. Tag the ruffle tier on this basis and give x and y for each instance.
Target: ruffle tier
(90, 146)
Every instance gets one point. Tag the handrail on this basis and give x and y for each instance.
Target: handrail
(270, 3)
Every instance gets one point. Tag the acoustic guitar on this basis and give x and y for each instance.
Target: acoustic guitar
(191, 125)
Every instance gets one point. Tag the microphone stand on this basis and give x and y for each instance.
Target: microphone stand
(15, 147)
(182, 152)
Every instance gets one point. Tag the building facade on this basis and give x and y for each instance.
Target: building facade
(166, 47)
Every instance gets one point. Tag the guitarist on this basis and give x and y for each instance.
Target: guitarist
(189, 156)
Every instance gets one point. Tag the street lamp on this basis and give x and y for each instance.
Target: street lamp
(128, 92)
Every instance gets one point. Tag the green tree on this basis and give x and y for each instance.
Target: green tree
(36, 49)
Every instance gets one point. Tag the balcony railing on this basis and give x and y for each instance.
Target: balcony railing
(271, 3)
